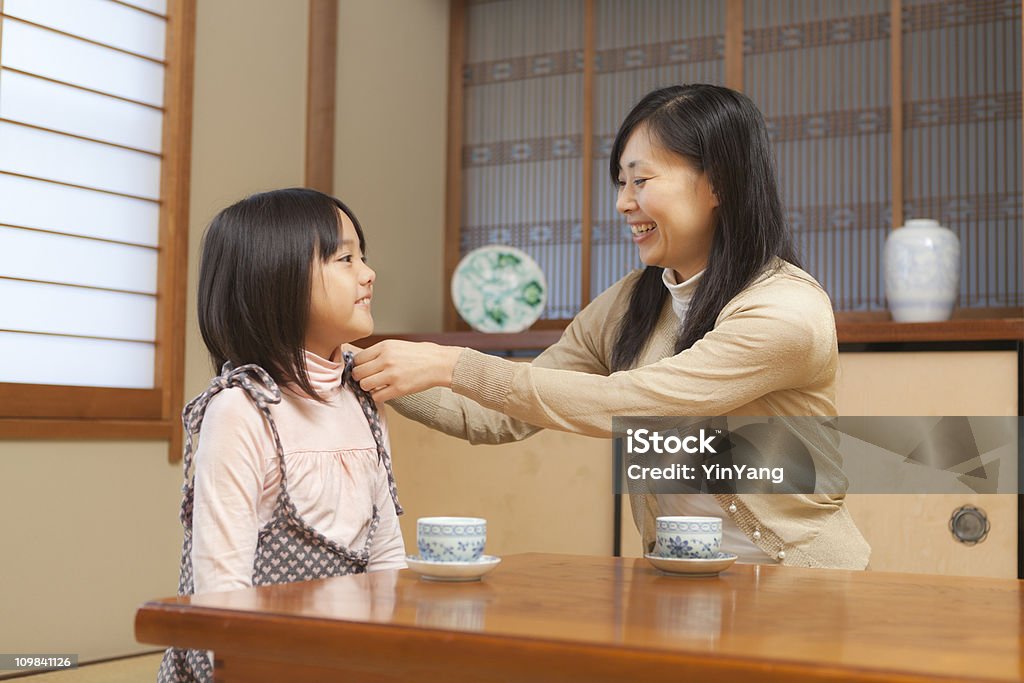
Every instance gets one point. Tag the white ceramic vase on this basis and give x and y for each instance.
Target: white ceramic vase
(922, 271)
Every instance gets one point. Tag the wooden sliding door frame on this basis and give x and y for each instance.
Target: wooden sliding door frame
(453, 191)
(897, 170)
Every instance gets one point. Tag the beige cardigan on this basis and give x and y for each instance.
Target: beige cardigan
(772, 352)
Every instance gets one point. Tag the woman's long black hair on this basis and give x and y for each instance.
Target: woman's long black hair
(722, 134)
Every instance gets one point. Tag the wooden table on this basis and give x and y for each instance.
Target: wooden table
(540, 617)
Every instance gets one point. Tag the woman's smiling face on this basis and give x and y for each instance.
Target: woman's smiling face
(668, 204)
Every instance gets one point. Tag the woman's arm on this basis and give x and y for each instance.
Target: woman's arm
(581, 348)
(780, 337)
(758, 349)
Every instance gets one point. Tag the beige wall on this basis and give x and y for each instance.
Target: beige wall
(390, 150)
(90, 529)
(249, 121)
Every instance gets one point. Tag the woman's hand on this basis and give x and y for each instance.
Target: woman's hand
(396, 368)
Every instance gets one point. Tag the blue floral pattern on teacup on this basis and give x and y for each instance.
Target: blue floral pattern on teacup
(450, 541)
(688, 537)
(443, 552)
(676, 546)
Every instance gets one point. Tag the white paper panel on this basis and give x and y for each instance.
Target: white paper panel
(159, 6)
(100, 20)
(35, 307)
(45, 53)
(39, 359)
(73, 260)
(37, 204)
(58, 157)
(70, 110)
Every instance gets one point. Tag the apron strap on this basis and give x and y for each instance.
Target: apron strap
(263, 393)
(369, 407)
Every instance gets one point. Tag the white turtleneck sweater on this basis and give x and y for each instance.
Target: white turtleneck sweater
(705, 505)
(334, 477)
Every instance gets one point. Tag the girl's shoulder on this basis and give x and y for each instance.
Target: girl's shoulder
(232, 401)
(231, 429)
(233, 408)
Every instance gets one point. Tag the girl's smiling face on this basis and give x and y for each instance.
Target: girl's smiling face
(341, 288)
(669, 205)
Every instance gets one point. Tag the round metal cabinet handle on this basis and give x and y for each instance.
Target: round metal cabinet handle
(969, 525)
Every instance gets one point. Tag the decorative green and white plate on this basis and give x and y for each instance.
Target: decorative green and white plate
(499, 289)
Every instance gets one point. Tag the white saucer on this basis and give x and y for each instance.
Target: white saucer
(685, 566)
(452, 571)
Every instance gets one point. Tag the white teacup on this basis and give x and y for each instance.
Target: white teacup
(451, 539)
(688, 537)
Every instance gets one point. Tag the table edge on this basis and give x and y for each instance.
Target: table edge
(155, 619)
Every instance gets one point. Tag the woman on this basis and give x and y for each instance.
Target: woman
(721, 321)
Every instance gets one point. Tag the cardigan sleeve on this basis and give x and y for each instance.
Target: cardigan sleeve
(582, 349)
(775, 338)
(229, 475)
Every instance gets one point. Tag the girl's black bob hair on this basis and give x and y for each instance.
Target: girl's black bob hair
(255, 276)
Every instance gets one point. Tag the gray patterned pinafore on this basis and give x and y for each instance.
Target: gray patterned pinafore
(287, 549)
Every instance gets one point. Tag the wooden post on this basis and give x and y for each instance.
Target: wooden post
(734, 44)
(172, 274)
(320, 91)
(896, 77)
(453, 192)
(587, 210)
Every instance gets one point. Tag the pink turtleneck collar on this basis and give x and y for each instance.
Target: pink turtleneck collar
(325, 375)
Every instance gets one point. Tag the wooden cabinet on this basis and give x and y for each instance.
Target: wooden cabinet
(911, 532)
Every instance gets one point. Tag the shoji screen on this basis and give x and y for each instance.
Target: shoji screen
(641, 46)
(822, 74)
(523, 126)
(81, 118)
(962, 137)
(523, 137)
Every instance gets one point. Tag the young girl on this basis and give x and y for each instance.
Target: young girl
(720, 321)
(293, 476)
